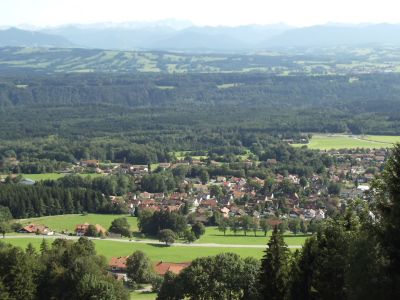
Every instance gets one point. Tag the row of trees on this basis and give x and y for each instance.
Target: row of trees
(39, 200)
(252, 224)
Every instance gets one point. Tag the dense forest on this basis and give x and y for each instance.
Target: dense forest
(34, 201)
(144, 118)
(94, 104)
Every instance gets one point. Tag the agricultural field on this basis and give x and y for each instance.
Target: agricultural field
(68, 222)
(211, 243)
(211, 236)
(156, 252)
(78, 60)
(339, 141)
(183, 154)
(54, 176)
(214, 236)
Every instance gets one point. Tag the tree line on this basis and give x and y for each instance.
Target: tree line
(39, 200)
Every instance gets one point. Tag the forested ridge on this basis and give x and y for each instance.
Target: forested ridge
(97, 105)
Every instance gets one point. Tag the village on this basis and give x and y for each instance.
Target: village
(245, 203)
(290, 196)
(282, 196)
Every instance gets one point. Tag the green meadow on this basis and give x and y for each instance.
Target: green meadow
(68, 222)
(211, 236)
(214, 236)
(54, 176)
(156, 252)
(338, 141)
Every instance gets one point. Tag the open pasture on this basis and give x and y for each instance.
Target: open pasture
(214, 236)
(54, 176)
(156, 252)
(339, 141)
(68, 222)
(211, 236)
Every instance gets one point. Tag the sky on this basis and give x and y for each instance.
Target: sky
(44, 13)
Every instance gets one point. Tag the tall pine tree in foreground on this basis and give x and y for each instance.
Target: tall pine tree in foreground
(274, 275)
(387, 195)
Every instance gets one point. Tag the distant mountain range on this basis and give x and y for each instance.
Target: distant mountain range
(321, 36)
(160, 37)
(186, 37)
(23, 38)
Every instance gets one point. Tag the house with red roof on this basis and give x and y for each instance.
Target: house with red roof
(117, 267)
(163, 267)
(37, 229)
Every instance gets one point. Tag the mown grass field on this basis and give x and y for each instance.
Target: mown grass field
(68, 222)
(53, 176)
(211, 236)
(156, 252)
(330, 141)
(214, 236)
(182, 155)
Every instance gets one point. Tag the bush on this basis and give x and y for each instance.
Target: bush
(198, 229)
(156, 283)
(167, 236)
(120, 226)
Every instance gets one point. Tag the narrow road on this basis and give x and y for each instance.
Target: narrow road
(133, 241)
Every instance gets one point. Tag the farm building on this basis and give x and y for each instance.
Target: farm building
(37, 229)
(81, 229)
(117, 267)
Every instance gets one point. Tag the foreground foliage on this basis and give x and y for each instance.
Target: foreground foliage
(64, 270)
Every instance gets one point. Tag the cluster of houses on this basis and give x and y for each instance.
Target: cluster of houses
(353, 170)
(201, 201)
(357, 166)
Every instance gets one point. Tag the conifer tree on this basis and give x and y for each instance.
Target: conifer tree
(274, 275)
(387, 192)
(44, 247)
